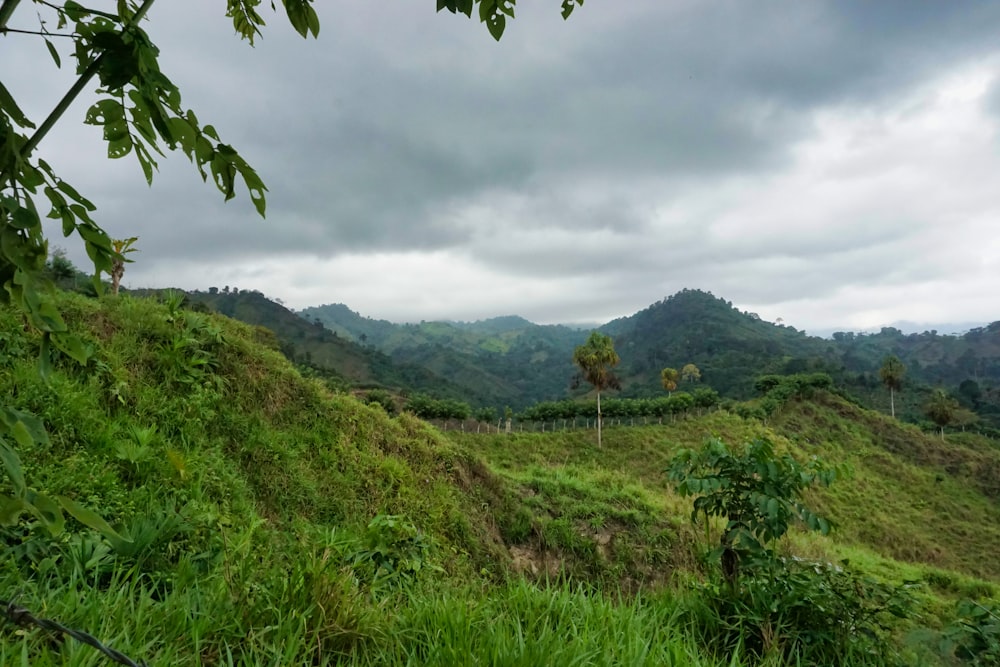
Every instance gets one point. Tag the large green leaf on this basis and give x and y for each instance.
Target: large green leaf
(91, 519)
(12, 466)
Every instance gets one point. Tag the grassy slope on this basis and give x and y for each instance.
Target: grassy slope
(247, 458)
(251, 487)
(907, 496)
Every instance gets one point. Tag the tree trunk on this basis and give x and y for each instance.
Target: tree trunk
(598, 419)
(117, 271)
(892, 402)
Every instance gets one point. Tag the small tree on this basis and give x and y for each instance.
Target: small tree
(669, 378)
(892, 373)
(596, 358)
(941, 409)
(690, 373)
(755, 491)
(121, 247)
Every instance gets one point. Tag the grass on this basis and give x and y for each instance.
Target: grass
(248, 493)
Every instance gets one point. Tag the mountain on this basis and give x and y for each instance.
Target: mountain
(731, 348)
(510, 361)
(313, 345)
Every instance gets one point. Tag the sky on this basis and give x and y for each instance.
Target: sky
(834, 164)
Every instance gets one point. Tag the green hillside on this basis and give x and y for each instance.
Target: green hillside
(508, 361)
(274, 522)
(312, 345)
(500, 361)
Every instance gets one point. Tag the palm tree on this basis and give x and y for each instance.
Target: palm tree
(596, 358)
(892, 373)
(669, 378)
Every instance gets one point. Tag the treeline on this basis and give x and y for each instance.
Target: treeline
(677, 403)
(774, 390)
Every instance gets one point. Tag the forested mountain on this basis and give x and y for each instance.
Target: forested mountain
(514, 361)
(313, 345)
(510, 361)
(731, 348)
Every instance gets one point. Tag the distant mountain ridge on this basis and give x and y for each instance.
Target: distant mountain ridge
(509, 360)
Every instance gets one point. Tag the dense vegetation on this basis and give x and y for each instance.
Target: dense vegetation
(272, 521)
(508, 361)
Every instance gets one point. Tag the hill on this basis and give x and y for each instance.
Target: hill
(312, 345)
(274, 522)
(730, 347)
(508, 361)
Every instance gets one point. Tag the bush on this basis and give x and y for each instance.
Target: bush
(975, 636)
(806, 612)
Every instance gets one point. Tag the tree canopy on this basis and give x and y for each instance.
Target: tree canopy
(669, 378)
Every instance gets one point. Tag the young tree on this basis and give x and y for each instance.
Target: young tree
(756, 492)
(941, 409)
(669, 378)
(121, 247)
(892, 373)
(690, 373)
(596, 358)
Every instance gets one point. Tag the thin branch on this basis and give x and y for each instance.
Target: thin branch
(4, 31)
(77, 88)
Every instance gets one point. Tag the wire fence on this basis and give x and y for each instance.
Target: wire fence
(22, 617)
(548, 425)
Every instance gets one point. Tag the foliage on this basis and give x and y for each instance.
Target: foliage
(382, 398)
(494, 13)
(805, 612)
(941, 409)
(27, 432)
(891, 373)
(141, 113)
(394, 553)
(426, 407)
(690, 373)
(668, 378)
(974, 637)
(121, 247)
(756, 492)
(680, 403)
(595, 359)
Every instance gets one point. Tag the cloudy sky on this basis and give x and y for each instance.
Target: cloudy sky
(834, 164)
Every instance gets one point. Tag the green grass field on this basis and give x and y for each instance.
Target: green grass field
(249, 495)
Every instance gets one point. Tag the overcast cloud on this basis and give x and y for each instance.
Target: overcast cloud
(835, 164)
